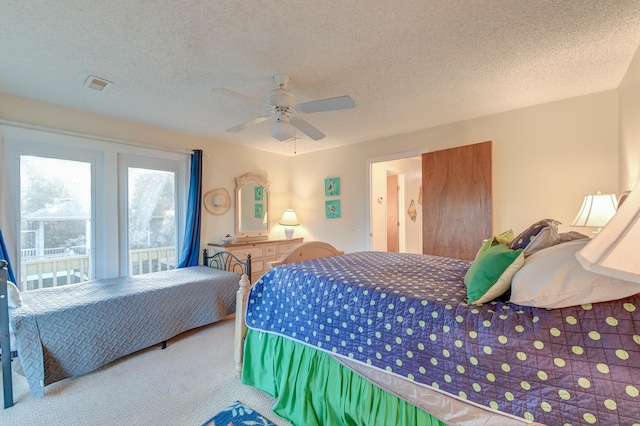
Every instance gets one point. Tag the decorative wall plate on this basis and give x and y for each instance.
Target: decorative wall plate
(217, 201)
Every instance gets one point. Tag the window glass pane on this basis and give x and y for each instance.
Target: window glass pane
(55, 220)
(152, 226)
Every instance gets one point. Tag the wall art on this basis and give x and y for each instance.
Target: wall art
(332, 209)
(259, 211)
(258, 193)
(332, 186)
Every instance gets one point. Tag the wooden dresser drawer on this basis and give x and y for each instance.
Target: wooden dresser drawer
(270, 250)
(257, 265)
(262, 252)
(243, 252)
(286, 246)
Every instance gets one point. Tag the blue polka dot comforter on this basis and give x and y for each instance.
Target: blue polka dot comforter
(406, 314)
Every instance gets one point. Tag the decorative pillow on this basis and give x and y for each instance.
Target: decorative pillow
(541, 234)
(553, 278)
(490, 275)
(570, 236)
(503, 238)
(14, 298)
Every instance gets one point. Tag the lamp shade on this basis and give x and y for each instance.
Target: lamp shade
(596, 210)
(615, 251)
(289, 218)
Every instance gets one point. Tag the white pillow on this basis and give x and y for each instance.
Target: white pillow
(13, 294)
(553, 278)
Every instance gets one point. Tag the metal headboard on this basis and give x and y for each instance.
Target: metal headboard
(227, 262)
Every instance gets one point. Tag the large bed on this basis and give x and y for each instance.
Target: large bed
(389, 338)
(67, 331)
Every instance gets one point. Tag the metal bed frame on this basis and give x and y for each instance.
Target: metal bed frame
(221, 260)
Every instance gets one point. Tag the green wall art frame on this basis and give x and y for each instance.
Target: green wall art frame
(332, 209)
(259, 211)
(331, 186)
(258, 193)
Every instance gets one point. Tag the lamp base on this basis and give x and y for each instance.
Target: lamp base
(288, 232)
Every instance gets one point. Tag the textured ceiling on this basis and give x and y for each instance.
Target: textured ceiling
(409, 65)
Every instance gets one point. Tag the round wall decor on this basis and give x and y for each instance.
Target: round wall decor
(217, 201)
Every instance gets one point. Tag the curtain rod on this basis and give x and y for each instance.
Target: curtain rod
(90, 136)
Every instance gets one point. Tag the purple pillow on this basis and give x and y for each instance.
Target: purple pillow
(540, 235)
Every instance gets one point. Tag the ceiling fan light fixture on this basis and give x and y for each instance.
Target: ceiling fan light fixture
(282, 130)
(284, 108)
(282, 98)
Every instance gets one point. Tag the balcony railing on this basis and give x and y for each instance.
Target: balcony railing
(143, 261)
(64, 268)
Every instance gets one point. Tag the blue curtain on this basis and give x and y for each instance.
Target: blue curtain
(5, 256)
(191, 245)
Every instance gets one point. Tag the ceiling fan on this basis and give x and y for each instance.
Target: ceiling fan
(283, 107)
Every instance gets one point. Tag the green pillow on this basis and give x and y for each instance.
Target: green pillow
(504, 238)
(489, 276)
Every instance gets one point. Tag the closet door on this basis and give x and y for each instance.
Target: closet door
(456, 200)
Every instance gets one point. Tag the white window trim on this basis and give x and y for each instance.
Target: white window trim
(15, 141)
(179, 170)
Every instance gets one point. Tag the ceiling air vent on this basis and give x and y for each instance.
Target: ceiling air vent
(97, 84)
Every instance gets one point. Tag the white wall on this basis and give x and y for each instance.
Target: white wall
(545, 159)
(629, 93)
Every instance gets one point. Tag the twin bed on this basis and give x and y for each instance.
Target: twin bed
(71, 330)
(389, 338)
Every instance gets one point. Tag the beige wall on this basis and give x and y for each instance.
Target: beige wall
(545, 159)
(629, 93)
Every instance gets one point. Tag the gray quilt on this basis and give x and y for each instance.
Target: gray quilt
(67, 331)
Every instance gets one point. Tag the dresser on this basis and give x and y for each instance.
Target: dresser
(262, 252)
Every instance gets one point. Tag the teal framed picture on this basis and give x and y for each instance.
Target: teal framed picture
(332, 209)
(332, 186)
(258, 193)
(259, 211)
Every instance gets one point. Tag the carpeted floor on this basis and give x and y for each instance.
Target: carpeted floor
(185, 384)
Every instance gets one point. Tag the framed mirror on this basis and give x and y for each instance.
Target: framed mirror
(252, 206)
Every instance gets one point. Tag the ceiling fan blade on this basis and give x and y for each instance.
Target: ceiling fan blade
(307, 129)
(249, 123)
(330, 104)
(232, 94)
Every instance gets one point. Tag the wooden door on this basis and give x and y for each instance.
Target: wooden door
(456, 200)
(392, 213)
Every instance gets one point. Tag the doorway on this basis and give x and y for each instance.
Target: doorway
(394, 212)
(393, 217)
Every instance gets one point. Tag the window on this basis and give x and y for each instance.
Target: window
(151, 220)
(55, 221)
(84, 208)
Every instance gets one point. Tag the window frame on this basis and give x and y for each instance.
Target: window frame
(107, 216)
(124, 162)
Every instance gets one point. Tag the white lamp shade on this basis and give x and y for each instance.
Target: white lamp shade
(596, 210)
(289, 218)
(615, 251)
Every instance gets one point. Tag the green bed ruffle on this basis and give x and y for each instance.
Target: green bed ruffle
(312, 388)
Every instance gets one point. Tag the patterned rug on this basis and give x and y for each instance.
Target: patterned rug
(238, 414)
